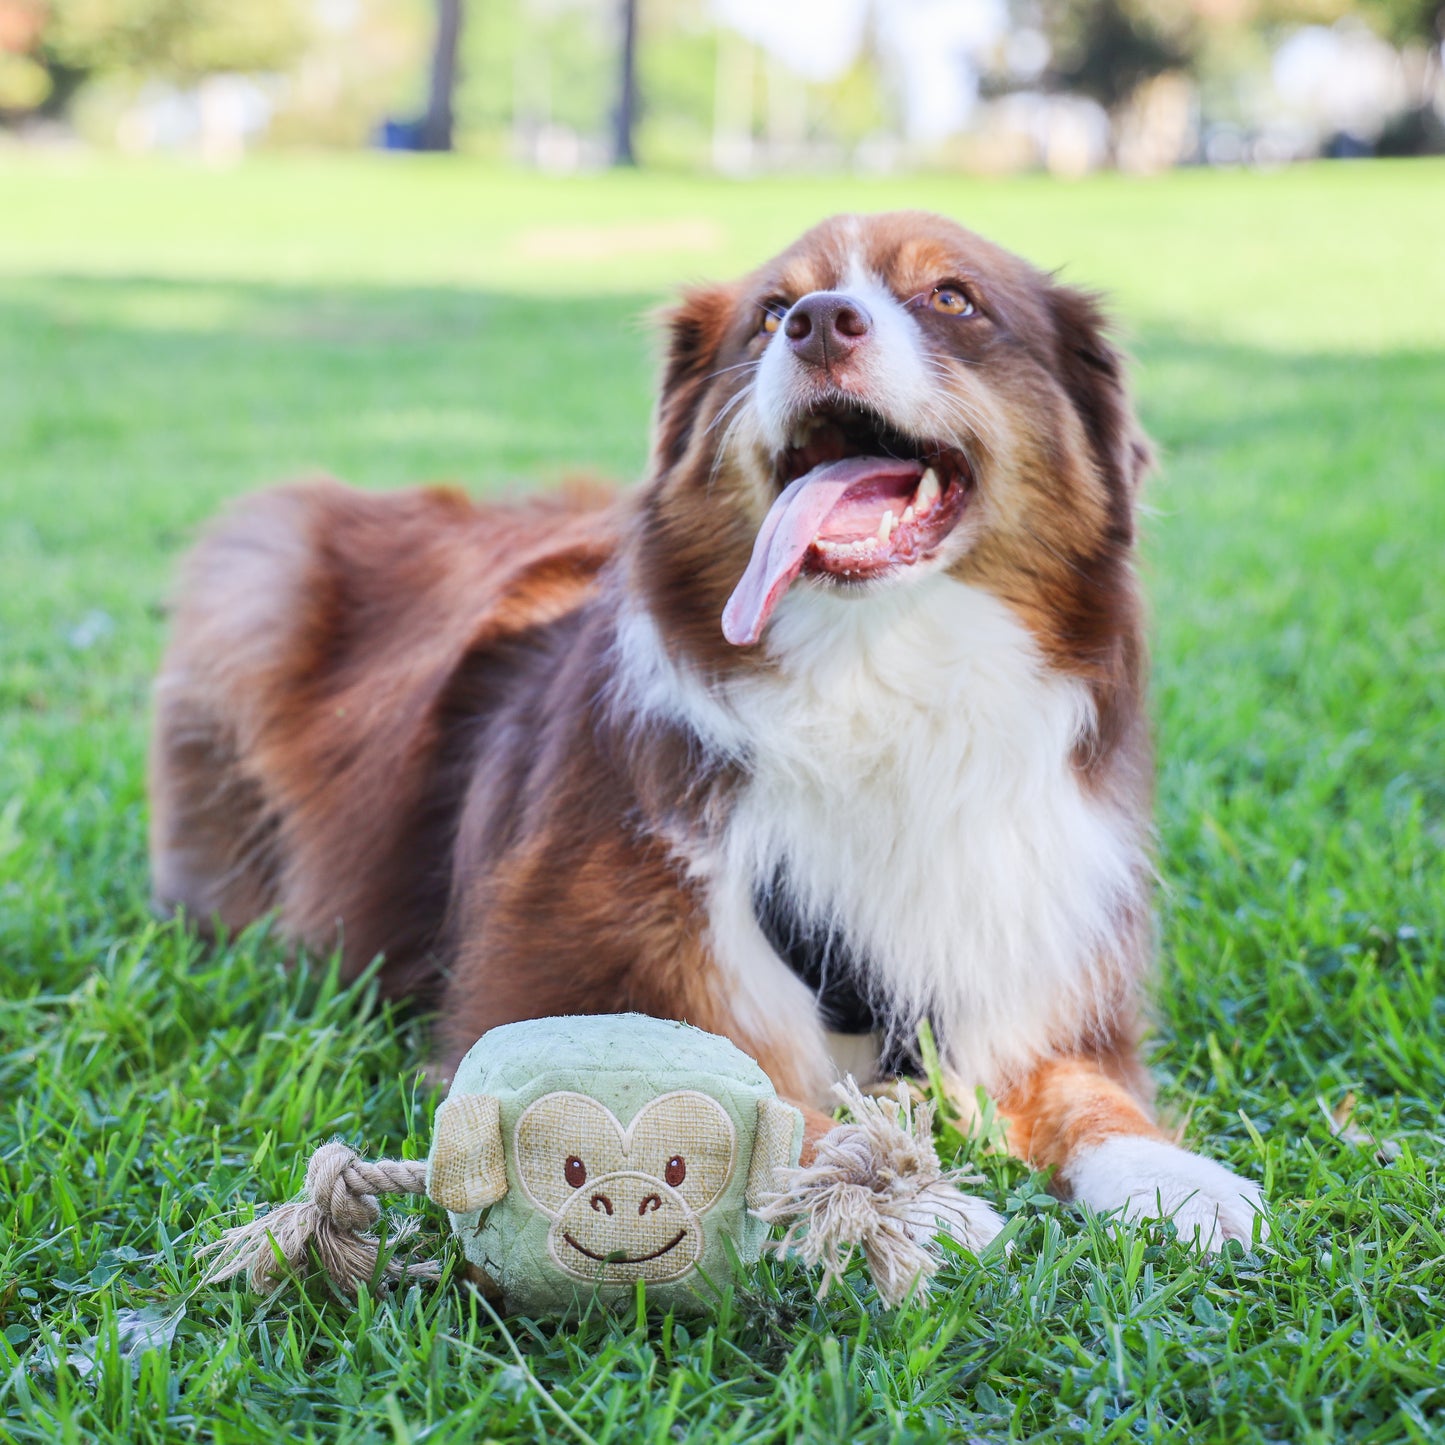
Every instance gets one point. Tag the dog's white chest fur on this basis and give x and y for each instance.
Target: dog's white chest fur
(908, 771)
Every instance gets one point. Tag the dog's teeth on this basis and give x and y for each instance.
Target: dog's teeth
(885, 527)
(928, 490)
(908, 514)
(799, 438)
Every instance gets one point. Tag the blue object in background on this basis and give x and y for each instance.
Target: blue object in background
(398, 135)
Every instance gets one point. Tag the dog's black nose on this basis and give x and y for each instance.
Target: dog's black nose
(826, 326)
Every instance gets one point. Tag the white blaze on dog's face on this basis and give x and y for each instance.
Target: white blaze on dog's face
(890, 397)
(625, 1203)
(854, 424)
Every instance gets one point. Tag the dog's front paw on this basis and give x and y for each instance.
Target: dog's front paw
(1149, 1179)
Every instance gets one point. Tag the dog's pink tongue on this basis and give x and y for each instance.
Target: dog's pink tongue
(788, 531)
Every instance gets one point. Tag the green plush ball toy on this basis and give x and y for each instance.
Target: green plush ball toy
(579, 1156)
(576, 1156)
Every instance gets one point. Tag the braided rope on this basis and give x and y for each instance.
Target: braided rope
(332, 1219)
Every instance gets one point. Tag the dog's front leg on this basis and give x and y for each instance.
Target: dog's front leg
(1107, 1152)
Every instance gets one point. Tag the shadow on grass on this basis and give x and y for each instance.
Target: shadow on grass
(1292, 546)
(233, 383)
(179, 393)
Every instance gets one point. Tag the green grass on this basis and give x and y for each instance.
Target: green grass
(170, 337)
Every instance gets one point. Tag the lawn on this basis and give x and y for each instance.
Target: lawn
(170, 337)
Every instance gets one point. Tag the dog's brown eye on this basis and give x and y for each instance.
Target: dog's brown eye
(950, 301)
(676, 1170)
(576, 1171)
(772, 316)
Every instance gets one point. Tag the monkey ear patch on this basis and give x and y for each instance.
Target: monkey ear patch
(468, 1167)
(779, 1141)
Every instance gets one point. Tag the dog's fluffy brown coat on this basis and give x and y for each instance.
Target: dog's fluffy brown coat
(416, 726)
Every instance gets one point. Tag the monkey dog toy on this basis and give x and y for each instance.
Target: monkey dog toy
(639, 1157)
(577, 1156)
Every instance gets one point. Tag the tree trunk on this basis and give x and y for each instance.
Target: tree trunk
(436, 127)
(626, 114)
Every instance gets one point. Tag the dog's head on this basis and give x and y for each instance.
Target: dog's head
(891, 398)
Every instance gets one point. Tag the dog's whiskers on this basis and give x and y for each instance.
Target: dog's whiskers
(723, 447)
(732, 402)
(954, 409)
(738, 366)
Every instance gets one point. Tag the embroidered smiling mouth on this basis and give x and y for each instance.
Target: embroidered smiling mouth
(859, 498)
(617, 1257)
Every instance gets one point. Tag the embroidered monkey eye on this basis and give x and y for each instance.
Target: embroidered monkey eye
(951, 301)
(576, 1171)
(676, 1170)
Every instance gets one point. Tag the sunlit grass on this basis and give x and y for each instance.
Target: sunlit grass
(170, 337)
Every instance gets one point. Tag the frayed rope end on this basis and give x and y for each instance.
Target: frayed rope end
(876, 1184)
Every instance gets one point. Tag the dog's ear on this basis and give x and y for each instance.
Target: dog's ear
(696, 328)
(1092, 370)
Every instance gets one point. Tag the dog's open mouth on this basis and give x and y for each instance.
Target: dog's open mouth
(859, 499)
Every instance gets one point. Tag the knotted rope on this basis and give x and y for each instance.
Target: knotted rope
(334, 1218)
(877, 1185)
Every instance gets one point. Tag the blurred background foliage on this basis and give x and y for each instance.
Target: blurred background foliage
(737, 86)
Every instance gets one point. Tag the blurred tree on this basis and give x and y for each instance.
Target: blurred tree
(25, 85)
(437, 124)
(1106, 49)
(181, 40)
(1401, 22)
(1404, 21)
(625, 115)
(1420, 129)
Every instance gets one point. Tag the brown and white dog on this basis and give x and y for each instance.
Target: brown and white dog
(832, 727)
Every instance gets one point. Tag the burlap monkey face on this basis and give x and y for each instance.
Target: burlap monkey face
(628, 1199)
(583, 1154)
